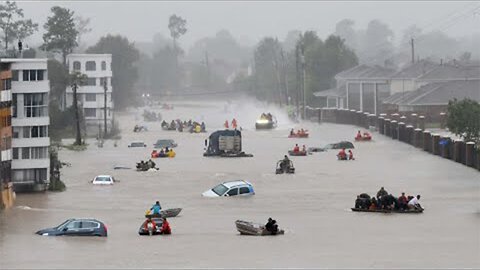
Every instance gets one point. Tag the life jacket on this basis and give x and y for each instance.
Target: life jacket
(145, 225)
(166, 228)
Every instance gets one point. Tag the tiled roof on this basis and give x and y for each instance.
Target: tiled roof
(365, 72)
(438, 93)
(448, 72)
(333, 92)
(415, 70)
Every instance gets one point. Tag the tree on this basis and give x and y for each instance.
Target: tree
(61, 33)
(267, 81)
(13, 25)
(177, 27)
(77, 79)
(345, 29)
(124, 67)
(464, 119)
(81, 25)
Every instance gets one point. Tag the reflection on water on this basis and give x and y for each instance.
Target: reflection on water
(312, 205)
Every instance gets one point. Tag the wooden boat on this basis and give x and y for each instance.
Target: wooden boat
(256, 229)
(414, 211)
(167, 213)
(299, 153)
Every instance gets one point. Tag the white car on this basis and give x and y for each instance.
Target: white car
(137, 144)
(231, 188)
(103, 180)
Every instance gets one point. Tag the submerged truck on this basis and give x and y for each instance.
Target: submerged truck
(225, 143)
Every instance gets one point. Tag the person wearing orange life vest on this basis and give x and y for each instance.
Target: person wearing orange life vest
(153, 225)
(359, 135)
(350, 155)
(342, 155)
(226, 124)
(165, 227)
(296, 148)
(234, 123)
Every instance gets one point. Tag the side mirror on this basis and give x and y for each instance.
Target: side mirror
(65, 229)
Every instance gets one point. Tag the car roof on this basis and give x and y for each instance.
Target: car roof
(235, 183)
(103, 175)
(137, 142)
(84, 219)
(164, 140)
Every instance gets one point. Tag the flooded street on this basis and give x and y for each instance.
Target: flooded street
(313, 205)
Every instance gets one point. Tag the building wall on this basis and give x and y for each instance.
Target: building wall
(91, 96)
(30, 121)
(402, 85)
(6, 188)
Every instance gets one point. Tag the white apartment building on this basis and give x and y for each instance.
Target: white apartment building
(30, 121)
(98, 68)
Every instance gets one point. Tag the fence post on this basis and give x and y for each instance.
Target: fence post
(427, 140)
(435, 144)
(387, 127)
(394, 130)
(469, 152)
(401, 132)
(381, 125)
(409, 134)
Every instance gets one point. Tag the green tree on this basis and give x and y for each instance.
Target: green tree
(124, 67)
(178, 27)
(13, 25)
(76, 80)
(267, 81)
(61, 33)
(464, 119)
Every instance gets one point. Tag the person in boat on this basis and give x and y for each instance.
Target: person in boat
(141, 165)
(296, 149)
(302, 131)
(381, 192)
(304, 149)
(171, 153)
(263, 116)
(180, 127)
(285, 164)
(234, 123)
(350, 155)
(402, 202)
(358, 202)
(154, 154)
(161, 153)
(271, 226)
(269, 117)
(359, 135)
(198, 129)
(342, 155)
(165, 227)
(366, 135)
(152, 222)
(151, 164)
(414, 203)
(203, 128)
(292, 132)
(173, 125)
(373, 204)
(156, 208)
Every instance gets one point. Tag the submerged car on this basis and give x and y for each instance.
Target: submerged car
(137, 144)
(77, 227)
(165, 143)
(231, 188)
(103, 180)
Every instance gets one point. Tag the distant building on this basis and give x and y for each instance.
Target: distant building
(406, 79)
(30, 121)
(6, 187)
(98, 68)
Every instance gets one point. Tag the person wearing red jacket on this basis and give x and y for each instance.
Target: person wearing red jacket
(165, 227)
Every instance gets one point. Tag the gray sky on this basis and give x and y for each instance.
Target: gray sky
(249, 20)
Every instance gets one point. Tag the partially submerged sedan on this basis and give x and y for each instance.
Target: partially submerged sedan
(103, 180)
(77, 227)
(231, 188)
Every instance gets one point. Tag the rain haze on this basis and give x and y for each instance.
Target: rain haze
(269, 134)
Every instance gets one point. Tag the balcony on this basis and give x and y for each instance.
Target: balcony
(31, 86)
(6, 155)
(5, 95)
(31, 142)
(30, 163)
(30, 121)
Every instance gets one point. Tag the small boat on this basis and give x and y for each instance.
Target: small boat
(413, 211)
(168, 213)
(256, 229)
(316, 149)
(299, 153)
(298, 135)
(363, 138)
(153, 231)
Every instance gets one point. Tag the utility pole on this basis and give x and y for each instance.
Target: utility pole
(285, 74)
(297, 74)
(105, 88)
(207, 64)
(304, 73)
(413, 50)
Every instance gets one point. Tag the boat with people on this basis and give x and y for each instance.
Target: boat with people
(385, 202)
(365, 137)
(297, 151)
(257, 229)
(143, 166)
(266, 121)
(301, 133)
(285, 166)
(150, 116)
(167, 213)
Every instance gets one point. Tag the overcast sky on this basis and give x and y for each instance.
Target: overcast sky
(250, 21)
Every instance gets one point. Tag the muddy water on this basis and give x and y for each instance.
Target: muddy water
(313, 206)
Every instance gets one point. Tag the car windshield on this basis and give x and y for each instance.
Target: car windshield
(220, 189)
(102, 179)
(63, 224)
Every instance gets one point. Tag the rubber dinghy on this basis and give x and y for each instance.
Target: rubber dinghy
(299, 153)
(168, 213)
(413, 211)
(256, 229)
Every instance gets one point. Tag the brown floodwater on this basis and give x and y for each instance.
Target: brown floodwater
(313, 205)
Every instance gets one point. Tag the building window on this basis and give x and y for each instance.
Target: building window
(35, 105)
(14, 105)
(33, 75)
(91, 66)
(104, 65)
(90, 97)
(30, 175)
(16, 132)
(15, 153)
(103, 81)
(39, 131)
(15, 75)
(38, 152)
(6, 84)
(26, 132)
(90, 112)
(25, 152)
(91, 81)
(77, 65)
